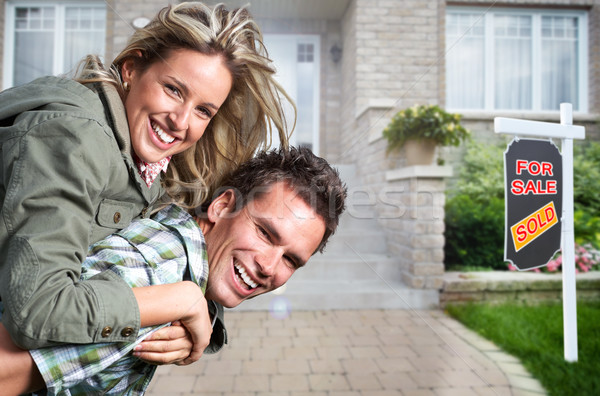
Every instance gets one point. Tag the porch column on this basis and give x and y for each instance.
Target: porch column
(416, 232)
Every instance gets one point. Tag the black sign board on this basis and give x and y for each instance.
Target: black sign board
(533, 176)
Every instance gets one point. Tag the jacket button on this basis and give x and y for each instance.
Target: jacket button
(117, 217)
(106, 331)
(127, 331)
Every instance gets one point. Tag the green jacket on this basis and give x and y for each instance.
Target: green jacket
(67, 179)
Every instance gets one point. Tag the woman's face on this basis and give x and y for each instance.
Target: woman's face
(170, 104)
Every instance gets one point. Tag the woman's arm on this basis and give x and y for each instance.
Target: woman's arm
(53, 176)
(183, 301)
(18, 372)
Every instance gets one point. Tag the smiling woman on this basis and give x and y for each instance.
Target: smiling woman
(170, 104)
(192, 95)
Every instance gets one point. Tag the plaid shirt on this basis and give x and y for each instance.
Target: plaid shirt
(148, 252)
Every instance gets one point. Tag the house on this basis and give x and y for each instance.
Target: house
(351, 64)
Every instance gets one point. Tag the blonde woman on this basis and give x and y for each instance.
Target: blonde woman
(191, 96)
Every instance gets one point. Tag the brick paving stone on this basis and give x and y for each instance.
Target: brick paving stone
(293, 366)
(418, 392)
(387, 392)
(302, 353)
(310, 332)
(429, 363)
(363, 383)
(364, 352)
(289, 382)
(392, 365)
(494, 391)
(281, 332)
(224, 366)
(399, 351)
(305, 341)
(333, 340)
(250, 367)
(397, 381)
(428, 379)
(360, 366)
(216, 383)
(333, 352)
(250, 383)
(331, 382)
(326, 366)
(454, 391)
(266, 353)
(463, 378)
(174, 383)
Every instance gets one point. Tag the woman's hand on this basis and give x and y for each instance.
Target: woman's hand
(183, 302)
(169, 345)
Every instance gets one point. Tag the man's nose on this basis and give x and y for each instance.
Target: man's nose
(268, 261)
(179, 118)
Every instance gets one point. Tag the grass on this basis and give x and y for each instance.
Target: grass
(534, 334)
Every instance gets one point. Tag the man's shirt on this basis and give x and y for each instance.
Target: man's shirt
(149, 252)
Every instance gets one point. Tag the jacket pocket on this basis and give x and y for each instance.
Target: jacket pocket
(115, 214)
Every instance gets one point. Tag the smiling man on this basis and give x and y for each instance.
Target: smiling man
(271, 216)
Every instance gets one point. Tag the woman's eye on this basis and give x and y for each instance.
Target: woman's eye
(204, 112)
(172, 89)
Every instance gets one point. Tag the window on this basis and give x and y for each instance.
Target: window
(503, 59)
(46, 38)
(296, 60)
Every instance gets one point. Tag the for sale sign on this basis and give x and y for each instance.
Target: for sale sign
(533, 175)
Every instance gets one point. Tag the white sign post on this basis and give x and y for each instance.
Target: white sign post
(565, 131)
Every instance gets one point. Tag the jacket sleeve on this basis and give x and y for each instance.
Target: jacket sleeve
(53, 175)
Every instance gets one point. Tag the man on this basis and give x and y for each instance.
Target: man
(273, 214)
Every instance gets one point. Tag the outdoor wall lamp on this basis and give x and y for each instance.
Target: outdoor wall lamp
(336, 53)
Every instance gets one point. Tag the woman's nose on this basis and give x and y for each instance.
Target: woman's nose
(179, 118)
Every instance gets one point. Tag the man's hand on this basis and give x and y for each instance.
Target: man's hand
(169, 345)
(183, 302)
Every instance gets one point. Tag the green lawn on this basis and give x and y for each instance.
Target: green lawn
(534, 334)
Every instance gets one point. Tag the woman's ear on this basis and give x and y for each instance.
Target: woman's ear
(222, 206)
(128, 68)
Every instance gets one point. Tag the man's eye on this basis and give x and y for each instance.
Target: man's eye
(291, 262)
(263, 232)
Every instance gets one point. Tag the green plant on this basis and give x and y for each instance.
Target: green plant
(474, 233)
(534, 334)
(425, 122)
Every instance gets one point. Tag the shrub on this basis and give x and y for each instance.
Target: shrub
(474, 233)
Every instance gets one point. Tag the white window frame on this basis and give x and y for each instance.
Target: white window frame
(536, 13)
(59, 32)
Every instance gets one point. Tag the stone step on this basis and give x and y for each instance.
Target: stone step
(357, 294)
(349, 267)
(348, 241)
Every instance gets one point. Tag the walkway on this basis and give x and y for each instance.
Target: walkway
(353, 352)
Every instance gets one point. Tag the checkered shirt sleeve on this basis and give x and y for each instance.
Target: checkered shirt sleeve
(148, 252)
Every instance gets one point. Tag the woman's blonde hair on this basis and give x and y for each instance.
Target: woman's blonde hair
(243, 124)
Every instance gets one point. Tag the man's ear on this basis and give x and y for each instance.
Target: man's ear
(222, 206)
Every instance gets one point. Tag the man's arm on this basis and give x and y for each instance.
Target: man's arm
(18, 372)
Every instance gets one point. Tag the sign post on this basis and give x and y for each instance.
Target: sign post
(566, 132)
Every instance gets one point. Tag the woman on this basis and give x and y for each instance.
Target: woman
(81, 159)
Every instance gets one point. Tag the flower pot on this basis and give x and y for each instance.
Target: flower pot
(419, 151)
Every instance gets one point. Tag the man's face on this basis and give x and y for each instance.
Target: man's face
(257, 249)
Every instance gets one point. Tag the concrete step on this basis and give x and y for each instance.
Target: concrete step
(348, 267)
(331, 294)
(354, 240)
